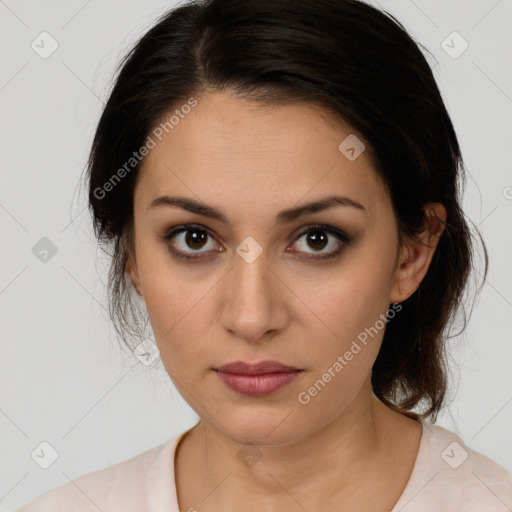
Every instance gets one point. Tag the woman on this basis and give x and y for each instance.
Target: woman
(279, 181)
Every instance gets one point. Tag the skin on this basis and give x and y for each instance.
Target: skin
(251, 162)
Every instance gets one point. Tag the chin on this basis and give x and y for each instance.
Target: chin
(260, 428)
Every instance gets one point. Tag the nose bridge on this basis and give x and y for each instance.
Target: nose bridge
(250, 300)
(251, 273)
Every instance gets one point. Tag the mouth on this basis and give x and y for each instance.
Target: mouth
(257, 379)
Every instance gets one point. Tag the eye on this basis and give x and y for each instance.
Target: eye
(320, 236)
(188, 237)
(188, 241)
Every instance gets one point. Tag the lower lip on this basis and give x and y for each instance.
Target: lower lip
(257, 385)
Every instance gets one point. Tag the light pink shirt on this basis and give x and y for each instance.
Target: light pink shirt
(447, 476)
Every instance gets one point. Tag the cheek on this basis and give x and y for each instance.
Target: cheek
(351, 306)
(163, 292)
(340, 366)
(177, 312)
(350, 301)
(332, 390)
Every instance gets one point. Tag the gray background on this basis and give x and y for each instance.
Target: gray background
(63, 378)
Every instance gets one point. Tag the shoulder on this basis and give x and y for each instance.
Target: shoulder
(121, 486)
(450, 476)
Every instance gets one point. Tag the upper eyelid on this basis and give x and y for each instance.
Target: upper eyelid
(337, 232)
(186, 227)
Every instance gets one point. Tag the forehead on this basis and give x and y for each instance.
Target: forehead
(227, 145)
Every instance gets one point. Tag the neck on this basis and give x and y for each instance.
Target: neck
(356, 446)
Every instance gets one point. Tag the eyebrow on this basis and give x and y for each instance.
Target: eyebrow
(283, 217)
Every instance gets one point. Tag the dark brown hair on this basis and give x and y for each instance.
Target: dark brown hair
(343, 55)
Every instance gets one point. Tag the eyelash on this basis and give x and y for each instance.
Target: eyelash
(342, 237)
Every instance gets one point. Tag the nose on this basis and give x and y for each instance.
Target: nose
(254, 299)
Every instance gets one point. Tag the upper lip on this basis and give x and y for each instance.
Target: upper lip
(243, 368)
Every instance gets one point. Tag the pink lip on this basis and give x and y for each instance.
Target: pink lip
(256, 379)
(243, 368)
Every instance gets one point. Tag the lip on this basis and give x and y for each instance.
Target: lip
(257, 379)
(261, 368)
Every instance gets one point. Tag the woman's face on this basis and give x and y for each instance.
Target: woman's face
(265, 284)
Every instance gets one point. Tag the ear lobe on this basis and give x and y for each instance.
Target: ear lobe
(416, 254)
(132, 271)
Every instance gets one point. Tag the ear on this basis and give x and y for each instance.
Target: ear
(132, 270)
(416, 254)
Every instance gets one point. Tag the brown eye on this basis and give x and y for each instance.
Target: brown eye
(318, 238)
(184, 241)
(195, 238)
(187, 242)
